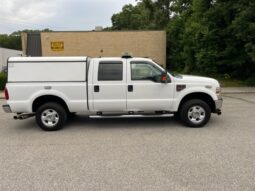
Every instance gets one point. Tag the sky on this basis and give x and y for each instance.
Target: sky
(58, 15)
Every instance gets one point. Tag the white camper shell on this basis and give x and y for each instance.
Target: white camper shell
(47, 69)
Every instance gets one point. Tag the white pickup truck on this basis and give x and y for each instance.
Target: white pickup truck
(52, 88)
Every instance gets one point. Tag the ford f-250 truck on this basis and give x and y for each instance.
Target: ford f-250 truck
(52, 88)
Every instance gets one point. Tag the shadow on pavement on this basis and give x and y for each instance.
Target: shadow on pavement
(142, 122)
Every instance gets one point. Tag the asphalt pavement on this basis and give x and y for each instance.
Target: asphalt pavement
(132, 154)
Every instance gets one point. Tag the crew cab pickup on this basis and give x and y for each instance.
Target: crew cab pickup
(54, 88)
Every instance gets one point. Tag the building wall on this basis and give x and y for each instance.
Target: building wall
(24, 42)
(5, 53)
(107, 43)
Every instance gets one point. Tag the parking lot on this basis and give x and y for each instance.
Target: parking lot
(132, 154)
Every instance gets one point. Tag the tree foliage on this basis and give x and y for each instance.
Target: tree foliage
(13, 41)
(132, 17)
(10, 41)
(203, 36)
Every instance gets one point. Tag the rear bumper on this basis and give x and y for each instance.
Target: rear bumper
(6, 108)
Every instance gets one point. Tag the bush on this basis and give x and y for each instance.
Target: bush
(250, 81)
(3, 80)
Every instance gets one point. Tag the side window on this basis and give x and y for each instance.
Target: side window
(144, 71)
(110, 71)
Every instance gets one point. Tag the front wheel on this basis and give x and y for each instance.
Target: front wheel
(195, 113)
(51, 116)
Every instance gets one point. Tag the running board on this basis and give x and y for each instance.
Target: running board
(129, 116)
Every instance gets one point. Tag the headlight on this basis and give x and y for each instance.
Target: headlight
(218, 91)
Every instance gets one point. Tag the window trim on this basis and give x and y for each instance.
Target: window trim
(110, 62)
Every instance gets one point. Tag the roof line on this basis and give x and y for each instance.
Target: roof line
(102, 31)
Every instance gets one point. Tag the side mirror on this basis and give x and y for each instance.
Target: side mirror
(163, 78)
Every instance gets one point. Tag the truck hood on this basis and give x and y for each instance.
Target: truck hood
(197, 80)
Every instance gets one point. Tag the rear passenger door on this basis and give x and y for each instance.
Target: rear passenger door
(109, 85)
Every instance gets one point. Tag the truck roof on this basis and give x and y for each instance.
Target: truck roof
(69, 59)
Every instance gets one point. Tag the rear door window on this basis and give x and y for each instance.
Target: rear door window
(110, 71)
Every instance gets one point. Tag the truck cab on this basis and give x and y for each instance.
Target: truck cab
(105, 86)
(130, 85)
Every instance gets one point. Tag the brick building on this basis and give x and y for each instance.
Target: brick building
(97, 43)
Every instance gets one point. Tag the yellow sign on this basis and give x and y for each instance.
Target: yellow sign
(57, 45)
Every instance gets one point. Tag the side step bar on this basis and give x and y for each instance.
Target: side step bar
(129, 116)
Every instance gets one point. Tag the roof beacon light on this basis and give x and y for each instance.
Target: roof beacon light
(126, 55)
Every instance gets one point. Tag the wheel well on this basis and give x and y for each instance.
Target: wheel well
(48, 98)
(202, 96)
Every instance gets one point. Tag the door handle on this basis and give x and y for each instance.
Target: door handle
(130, 88)
(96, 88)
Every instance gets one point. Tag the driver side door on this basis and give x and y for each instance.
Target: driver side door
(145, 93)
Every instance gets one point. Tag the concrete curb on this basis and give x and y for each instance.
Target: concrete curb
(237, 93)
(238, 90)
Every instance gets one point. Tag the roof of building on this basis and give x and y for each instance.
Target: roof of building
(83, 31)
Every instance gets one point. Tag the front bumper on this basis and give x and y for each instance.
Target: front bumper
(218, 103)
(6, 108)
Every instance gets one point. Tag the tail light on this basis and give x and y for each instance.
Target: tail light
(6, 94)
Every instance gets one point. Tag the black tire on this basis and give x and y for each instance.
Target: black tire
(177, 115)
(71, 115)
(58, 113)
(200, 116)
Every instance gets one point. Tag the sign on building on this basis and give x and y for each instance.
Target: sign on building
(57, 45)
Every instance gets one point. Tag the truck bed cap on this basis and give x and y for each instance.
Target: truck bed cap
(48, 59)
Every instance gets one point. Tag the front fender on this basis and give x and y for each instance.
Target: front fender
(180, 95)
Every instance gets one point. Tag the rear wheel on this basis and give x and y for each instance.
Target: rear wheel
(195, 113)
(177, 115)
(51, 116)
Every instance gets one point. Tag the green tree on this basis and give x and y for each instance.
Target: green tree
(10, 41)
(30, 31)
(243, 29)
(13, 41)
(218, 38)
(147, 14)
(159, 12)
(132, 18)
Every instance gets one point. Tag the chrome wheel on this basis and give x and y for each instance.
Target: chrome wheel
(50, 117)
(196, 114)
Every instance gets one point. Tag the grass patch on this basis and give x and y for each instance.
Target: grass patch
(231, 83)
(225, 80)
